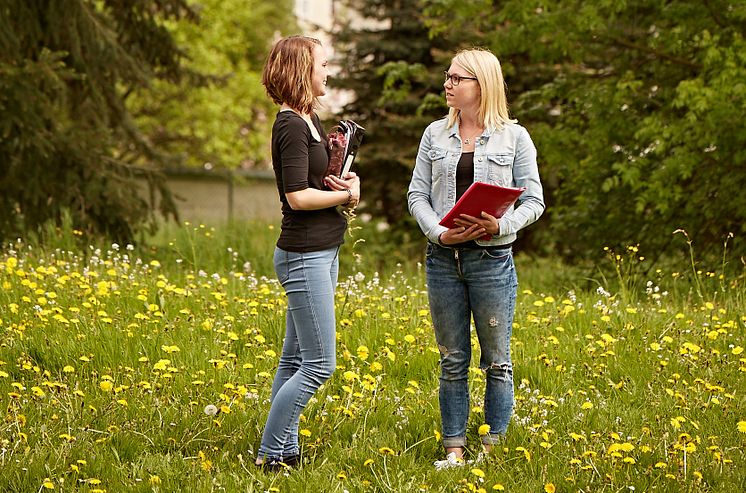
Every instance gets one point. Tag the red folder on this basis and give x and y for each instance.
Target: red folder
(492, 199)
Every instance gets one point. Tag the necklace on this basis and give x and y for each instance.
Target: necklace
(467, 141)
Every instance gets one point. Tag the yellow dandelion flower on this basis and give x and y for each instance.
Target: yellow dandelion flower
(368, 462)
(48, 484)
(484, 429)
(498, 487)
(526, 453)
(549, 488)
(363, 352)
(106, 386)
(742, 426)
(386, 451)
(478, 472)
(305, 432)
(737, 350)
(350, 376)
(587, 405)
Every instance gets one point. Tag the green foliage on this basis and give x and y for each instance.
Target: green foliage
(67, 143)
(635, 109)
(224, 120)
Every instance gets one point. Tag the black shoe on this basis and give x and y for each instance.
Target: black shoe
(280, 464)
(291, 460)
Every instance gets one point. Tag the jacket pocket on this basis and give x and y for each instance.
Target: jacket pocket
(437, 159)
(500, 170)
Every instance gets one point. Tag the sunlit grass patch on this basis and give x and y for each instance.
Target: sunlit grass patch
(123, 372)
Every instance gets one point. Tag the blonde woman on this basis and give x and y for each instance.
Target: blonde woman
(306, 257)
(468, 276)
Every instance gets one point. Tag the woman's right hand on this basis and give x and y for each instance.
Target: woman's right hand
(460, 234)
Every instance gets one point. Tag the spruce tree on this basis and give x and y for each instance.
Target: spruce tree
(394, 69)
(67, 142)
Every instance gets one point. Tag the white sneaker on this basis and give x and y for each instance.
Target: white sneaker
(481, 457)
(449, 462)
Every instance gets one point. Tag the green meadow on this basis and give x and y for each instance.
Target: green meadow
(148, 369)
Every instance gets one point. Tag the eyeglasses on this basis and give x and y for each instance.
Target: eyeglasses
(456, 79)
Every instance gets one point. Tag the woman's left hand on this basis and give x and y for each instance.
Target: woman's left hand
(490, 223)
(335, 183)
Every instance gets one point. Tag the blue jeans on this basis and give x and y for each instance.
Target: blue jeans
(309, 351)
(461, 284)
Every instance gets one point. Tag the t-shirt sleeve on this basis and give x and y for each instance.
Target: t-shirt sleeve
(293, 142)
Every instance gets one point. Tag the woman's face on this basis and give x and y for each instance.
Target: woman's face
(320, 71)
(465, 95)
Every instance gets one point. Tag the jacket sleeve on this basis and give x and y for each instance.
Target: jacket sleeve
(525, 174)
(418, 196)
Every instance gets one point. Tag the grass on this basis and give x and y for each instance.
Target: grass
(110, 356)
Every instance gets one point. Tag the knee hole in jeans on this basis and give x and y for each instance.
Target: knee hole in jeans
(499, 370)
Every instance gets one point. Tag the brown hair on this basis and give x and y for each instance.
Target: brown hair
(287, 73)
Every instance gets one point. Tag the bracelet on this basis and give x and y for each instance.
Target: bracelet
(349, 196)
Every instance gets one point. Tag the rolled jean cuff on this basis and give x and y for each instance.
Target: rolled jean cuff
(492, 439)
(452, 442)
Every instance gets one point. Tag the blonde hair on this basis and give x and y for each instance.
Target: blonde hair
(493, 106)
(287, 73)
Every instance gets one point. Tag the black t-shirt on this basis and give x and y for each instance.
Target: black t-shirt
(464, 179)
(464, 173)
(299, 162)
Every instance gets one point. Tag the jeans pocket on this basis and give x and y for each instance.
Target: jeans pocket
(497, 254)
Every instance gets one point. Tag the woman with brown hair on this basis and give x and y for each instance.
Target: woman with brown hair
(306, 256)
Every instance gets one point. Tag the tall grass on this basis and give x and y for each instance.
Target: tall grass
(111, 355)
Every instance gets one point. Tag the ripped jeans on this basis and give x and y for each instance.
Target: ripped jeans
(478, 283)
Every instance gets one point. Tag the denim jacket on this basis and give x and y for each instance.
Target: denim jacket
(505, 157)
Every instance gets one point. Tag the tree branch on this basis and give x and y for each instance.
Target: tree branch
(713, 13)
(659, 54)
